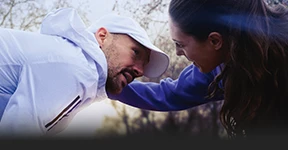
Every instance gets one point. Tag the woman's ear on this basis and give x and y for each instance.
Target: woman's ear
(101, 35)
(215, 40)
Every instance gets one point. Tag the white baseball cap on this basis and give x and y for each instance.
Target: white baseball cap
(114, 23)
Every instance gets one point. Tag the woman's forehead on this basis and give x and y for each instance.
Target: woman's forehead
(176, 33)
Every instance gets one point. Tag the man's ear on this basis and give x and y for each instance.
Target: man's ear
(101, 35)
(215, 40)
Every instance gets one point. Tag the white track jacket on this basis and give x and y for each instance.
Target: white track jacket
(47, 77)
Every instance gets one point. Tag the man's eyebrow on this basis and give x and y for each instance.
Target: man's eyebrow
(145, 50)
(139, 46)
(176, 41)
(148, 51)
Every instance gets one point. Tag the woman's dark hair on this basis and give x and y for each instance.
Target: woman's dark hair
(255, 78)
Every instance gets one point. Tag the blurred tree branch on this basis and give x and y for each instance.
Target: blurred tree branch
(28, 14)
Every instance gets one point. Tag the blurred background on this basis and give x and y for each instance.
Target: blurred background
(110, 118)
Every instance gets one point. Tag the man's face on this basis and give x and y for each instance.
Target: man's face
(126, 59)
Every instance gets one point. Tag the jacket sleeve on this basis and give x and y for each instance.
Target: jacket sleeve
(46, 94)
(189, 90)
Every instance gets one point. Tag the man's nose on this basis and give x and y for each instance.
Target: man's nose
(139, 69)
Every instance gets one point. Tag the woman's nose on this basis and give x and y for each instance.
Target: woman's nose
(179, 52)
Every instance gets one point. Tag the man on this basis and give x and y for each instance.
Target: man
(47, 78)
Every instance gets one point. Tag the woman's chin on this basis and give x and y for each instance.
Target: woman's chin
(203, 70)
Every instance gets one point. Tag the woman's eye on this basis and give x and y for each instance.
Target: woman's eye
(179, 45)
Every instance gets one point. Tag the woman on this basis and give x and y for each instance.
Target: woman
(239, 48)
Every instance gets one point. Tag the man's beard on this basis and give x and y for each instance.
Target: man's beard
(113, 84)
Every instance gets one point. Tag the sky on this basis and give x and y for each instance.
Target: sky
(99, 8)
(96, 7)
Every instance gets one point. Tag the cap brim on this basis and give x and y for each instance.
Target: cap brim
(157, 65)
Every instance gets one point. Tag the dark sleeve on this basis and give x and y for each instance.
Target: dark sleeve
(189, 90)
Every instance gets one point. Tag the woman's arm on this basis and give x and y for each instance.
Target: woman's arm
(189, 90)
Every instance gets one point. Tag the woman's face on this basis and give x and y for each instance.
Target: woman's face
(205, 55)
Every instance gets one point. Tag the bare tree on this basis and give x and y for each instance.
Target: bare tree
(28, 14)
(21, 14)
